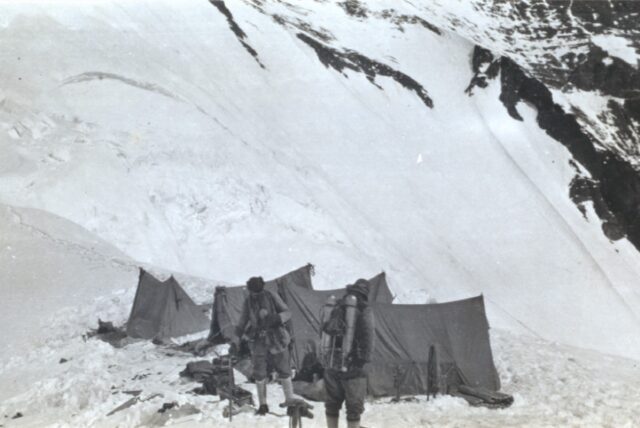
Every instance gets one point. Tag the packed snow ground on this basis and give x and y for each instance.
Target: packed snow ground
(553, 384)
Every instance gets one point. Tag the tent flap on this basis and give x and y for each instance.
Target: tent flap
(227, 301)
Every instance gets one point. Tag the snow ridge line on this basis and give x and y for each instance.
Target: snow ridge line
(100, 75)
(87, 252)
(145, 86)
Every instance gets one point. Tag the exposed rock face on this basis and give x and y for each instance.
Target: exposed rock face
(354, 61)
(541, 49)
(606, 145)
(613, 185)
(569, 46)
(233, 26)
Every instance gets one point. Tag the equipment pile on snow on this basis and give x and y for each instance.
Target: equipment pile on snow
(217, 378)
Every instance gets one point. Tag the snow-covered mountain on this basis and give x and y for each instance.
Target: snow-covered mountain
(224, 139)
(584, 56)
(462, 146)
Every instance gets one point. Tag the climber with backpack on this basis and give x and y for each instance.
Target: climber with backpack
(346, 346)
(262, 322)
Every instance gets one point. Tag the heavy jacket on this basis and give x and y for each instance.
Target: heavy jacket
(256, 310)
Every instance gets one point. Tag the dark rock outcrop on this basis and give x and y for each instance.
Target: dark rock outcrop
(235, 28)
(613, 185)
(340, 60)
(354, 8)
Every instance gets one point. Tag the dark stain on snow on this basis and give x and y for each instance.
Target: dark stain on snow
(354, 8)
(614, 185)
(358, 10)
(319, 33)
(347, 59)
(398, 19)
(100, 75)
(235, 28)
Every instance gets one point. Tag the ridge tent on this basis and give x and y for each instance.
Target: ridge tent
(406, 335)
(163, 309)
(305, 336)
(227, 301)
(306, 307)
(454, 334)
(379, 290)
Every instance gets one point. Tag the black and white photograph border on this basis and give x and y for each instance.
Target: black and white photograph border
(429, 205)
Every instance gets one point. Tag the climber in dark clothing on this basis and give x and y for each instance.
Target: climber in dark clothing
(350, 386)
(262, 323)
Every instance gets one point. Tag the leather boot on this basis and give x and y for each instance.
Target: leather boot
(332, 421)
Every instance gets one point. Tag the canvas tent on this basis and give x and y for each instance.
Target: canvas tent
(458, 331)
(418, 348)
(304, 335)
(162, 309)
(379, 291)
(227, 301)
(455, 334)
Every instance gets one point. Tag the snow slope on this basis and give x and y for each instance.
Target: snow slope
(56, 280)
(254, 141)
(49, 263)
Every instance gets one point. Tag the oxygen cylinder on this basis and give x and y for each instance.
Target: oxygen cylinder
(326, 342)
(350, 302)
